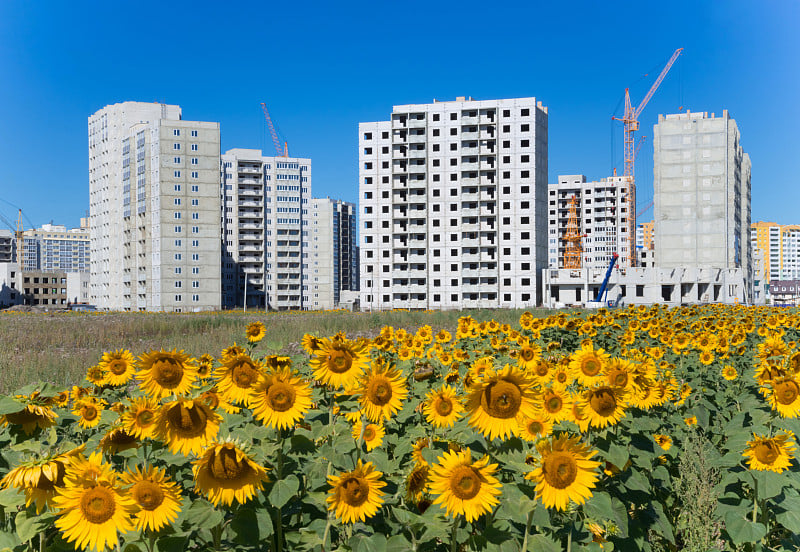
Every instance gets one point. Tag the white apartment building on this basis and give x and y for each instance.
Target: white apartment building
(451, 195)
(154, 209)
(702, 194)
(334, 252)
(58, 249)
(8, 247)
(265, 227)
(779, 247)
(602, 219)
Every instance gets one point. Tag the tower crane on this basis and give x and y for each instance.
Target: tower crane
(573, 248)
(630, 121)
(275, 141)
(19, 234)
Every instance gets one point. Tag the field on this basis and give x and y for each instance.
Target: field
(642, 429)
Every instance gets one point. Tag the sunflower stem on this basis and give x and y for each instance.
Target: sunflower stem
(453, 540)
(755, 500)
(527, 531)
(569, 539)
(279, 510)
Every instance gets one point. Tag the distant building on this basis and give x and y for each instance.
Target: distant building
(779, 245)
(701, 194)
(785, 292)
(8, 247)
(54, 248)
(601, 216)
(154, 208)
(334, 252)
(452, 205)
(48, 289)
(645, 244)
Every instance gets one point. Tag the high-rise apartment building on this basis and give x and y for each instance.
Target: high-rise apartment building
(451, 196)
(265, 230)
(54, 248)
(154, 208)
(8, 248)
(779, 245)
(601, 215)
(334, 252)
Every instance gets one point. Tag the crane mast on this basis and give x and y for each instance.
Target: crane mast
(275, 141)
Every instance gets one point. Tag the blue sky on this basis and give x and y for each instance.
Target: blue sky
(323, 67)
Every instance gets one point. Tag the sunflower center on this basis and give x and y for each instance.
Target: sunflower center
(560, 469)
(561, 377)
(89, 413)
(603, 402)
(590, 367)
(122, 437)
(443, 406)
(225, 466)
(168, 372)
(535, 427)
(339, 362)
(379, 390)
(619, 378)
(527, 354)
(553, 404)
(144, 418)
(98, 505)
(281, 396)
(369, 433)
(118, 367)
(355, 491)
(188, 422)
(786, 392)
(465, 483)
(541, 369)
(767, 452)
(148, 494)
(244, 375)
(502, 399)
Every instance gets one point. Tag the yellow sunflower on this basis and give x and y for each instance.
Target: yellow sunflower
(443, 407)
(533, 429)
(770, 453)
(356, 495)
(603, 405)
(555, 404)
(664, 441)
(255, 332)
(561, 377)
(231, 351)
(372, 434)
(417, 483)
(140, 418)
(564, 472)
(91, 515)
(31, 418)
(205, 366)
(706, 357)
(729, 372)
(117, 439)
(39, 479)
(237, 377)
(280, 399)
(89, 410)
(187, 426)
(339, 362)
(158, 499)
(166, 373)
(783, 395)
(495, 402)
(619, 373)
(464, 487)
(118, 367)
(588, 365)
(529, 355)
(311, 344)
(690, 421)
(95, 375)
(224, 473)
(381, 392)
(83, 472)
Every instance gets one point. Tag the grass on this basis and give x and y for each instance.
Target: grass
(58, 348)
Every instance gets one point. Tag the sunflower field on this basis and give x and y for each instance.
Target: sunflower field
(647, 429)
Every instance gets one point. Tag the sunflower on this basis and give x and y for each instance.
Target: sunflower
(495, 402)
(231, 351)
(84, 472)
(31, 418)
(339, 362)
(529, 355)
(187, 426)
(443, 336)
(205, 366)
(372, 434)
(89, 410)
(706, 358)
(117, 439)
(158, 499)
(772, 346)
(118, 367)
(417, 483)
(555, 404)
(588, 365)
(140, 418)
(664, 441)
(443, 407)
(480, 367)
(565, 471)
(464, 487)
(237, 377)
(729, 373)
(215, 401)
(91, 515)
(95, 375)
(603, 405)
(533, 429)
(416, 452)
(690, 421)
(356, 495)
(381, 392)
(255, 332)
(39, 479)
(619, 373)
(280, 399)
(166, 373)
(560, 377)
(224, 473)
(783, 395)
(311, 344)
(769, 453)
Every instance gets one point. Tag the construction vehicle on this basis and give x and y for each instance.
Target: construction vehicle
(599, 301)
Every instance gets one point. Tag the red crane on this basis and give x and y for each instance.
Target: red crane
(275, 141)
(631, 122)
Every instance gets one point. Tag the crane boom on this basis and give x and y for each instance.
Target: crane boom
(19, 234)
(275, 141)
(656, 84)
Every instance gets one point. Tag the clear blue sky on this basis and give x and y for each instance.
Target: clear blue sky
(323, 67)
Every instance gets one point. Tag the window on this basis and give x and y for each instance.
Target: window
(367, 136)
(194, 134)
(195, 216)
(195, 243)
(176, 160)
(195, 188)
(177, 270)
(194, 147)
(435, 116)
(177, 174)
(176, 146)
(177, 187)
(177, 201)
(178, 256)
(453, 116)
(195, 202)
(195, 298)
(177, 298)
(177, 229)
(176, 132)
(194, 160)
(195, 270)
(176, 215)
(526, 112)
(177, 243)
(195, 174)
(525, 143)
(195, 229)
(195, 257)
(525, 128)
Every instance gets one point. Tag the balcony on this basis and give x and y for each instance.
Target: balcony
(417, 154)
(417, 123)
(250, 226)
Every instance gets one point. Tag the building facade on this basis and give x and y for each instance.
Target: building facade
(154, 209)
(701, 194)
(54, 248)
(602, 220)
(8, 247)
(334, 252)
(451, 197)
(779, 245)
(265, 206)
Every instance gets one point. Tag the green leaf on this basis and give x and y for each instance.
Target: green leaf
(619, 513)
(283, 490)
(131, 547)
(245, 526)
(8, 541)
(742, 530)
(302, 445)
(617, 455)
(787, 512)
(9, 406)
(542, 543)
(265, 526)
(371, 543)
(661, 523)
(11, 498)
(398, 543)
(202, 514)
(598, 506)
(171, 543)
(769, 483)
(637, 482)
(28, 526)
